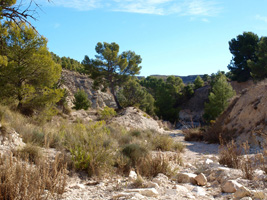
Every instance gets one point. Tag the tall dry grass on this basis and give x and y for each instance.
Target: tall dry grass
(21, 180)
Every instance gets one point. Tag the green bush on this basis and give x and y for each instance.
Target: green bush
(81, 100)
(135, 152)
(89, 148)
(107, 113)
(162, 142)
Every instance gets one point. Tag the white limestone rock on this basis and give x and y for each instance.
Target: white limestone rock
(186, 178)
(132, 175)
(199, 191)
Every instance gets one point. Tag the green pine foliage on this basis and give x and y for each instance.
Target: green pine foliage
(259, 67)
(68, 63)
(168, 95)
(219, 97)
(198, 82)
(243, 48)
(133, 94)
(29, 76)
(81, 100)
(111, 69)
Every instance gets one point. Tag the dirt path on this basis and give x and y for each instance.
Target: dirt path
(195, 151)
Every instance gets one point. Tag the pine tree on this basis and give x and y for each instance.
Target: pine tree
(112, 69)
(222, 91)
(198, 82)
(30, 74)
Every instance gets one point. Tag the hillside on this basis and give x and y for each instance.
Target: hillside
(186, 79)
(246, 117)
(72, 81)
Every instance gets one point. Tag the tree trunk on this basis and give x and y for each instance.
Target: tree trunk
(115, 97)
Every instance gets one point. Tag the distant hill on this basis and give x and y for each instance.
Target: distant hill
(186, 79)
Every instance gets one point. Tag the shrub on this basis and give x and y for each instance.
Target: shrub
(89, 149)
(135, 152)
(194, 134)
(162, 142)
(136, 133)
(179, 147)
(81, 100)
(125, 139)
(107, 113)
(152, 166)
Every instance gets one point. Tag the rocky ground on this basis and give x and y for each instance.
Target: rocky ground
(201, 177)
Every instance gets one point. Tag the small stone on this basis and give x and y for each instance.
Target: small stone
(152, 185)
(246, 198)
(199, 191)
(201, 179)
(208, 161)
(149, 192)
(132, 175)
(230, 186)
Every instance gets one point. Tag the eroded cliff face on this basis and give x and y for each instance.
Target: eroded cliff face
(246, 117)
(72, 81)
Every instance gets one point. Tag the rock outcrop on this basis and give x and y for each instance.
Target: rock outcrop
(9, 140)
(72, 81)
(133, 118)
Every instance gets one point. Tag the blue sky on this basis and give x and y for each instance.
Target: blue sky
(173, 37)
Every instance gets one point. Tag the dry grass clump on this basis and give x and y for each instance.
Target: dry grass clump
(193, 134)
(152, 166)
(179, 147)
(21, 180)
(31, 153)
(238, 157)
(229, 154)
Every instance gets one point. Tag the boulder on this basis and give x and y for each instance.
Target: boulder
(230, 186)
(186, 178)
(201, 179)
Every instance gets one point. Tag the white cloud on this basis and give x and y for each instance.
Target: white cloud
(261, 18)
(77, 4)
(202, 8)
(156, 7)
